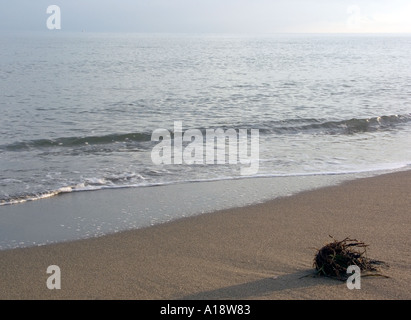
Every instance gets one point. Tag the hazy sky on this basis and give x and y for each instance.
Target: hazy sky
(211, 16)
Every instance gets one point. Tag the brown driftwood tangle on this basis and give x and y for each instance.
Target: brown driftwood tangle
(333, 259)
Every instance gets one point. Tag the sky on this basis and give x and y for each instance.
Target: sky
(211, 16)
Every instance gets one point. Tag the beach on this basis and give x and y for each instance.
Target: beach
(260, 251)
(204, 152)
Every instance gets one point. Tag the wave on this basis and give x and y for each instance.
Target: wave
(289, 126)
(33, 197)
(78, 141)
(350, 126)
(97, 184)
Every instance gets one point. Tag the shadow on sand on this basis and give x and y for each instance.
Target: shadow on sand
(266, 286)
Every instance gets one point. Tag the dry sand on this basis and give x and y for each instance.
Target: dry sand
(263, 251)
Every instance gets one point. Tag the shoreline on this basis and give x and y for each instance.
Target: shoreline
(258, 251)
(84, 215)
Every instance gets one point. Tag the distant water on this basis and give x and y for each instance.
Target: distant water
(78, 110)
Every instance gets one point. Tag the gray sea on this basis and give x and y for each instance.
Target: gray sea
(77, 110)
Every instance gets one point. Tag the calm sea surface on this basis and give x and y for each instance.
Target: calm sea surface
(77, 111)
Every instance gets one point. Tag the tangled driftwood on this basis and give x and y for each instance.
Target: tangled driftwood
(333, 259)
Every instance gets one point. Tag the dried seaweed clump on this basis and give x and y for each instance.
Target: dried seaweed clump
(333, 259)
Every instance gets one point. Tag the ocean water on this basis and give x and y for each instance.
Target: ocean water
(77, 111)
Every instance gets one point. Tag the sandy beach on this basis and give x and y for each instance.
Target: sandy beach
(262, 251)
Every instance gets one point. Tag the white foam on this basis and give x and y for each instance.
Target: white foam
(101, 183)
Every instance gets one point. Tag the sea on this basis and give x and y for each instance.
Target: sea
(78, 110)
